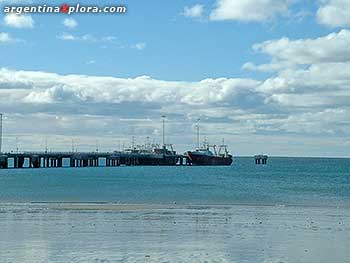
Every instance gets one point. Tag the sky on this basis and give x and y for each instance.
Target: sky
(268, 76)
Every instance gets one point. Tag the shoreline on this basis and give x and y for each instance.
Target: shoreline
(116, 206)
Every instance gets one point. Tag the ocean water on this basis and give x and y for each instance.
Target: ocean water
(292, 210)
(284, 181)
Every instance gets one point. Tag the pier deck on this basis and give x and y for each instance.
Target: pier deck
(84, 159)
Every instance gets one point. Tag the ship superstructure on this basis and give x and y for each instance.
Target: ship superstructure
(208, 153)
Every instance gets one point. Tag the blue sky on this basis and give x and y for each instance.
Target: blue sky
(178, 47)
(269, 76)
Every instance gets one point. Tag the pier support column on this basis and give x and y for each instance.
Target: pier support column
(35, 162)
(59, 162)
(18, 162)
(3, 162)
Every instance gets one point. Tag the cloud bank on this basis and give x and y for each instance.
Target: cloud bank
(296, 102)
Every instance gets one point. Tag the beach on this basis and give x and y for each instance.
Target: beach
(53, 232)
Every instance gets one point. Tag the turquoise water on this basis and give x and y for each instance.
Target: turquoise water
(284, 181)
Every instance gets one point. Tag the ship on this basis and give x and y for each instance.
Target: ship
(205, 156)
(154, 156)
(150, 154)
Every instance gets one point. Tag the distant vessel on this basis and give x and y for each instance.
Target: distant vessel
(154, 156)
(204, 156)
(151, 154)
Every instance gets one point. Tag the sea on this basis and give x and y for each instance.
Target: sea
(290, 210)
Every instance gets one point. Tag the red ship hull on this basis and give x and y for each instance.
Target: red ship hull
(203, 159)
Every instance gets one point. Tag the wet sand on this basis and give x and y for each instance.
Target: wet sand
(93, 232)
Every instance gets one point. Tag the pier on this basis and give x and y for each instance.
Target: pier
(151, 155)
(86, 159)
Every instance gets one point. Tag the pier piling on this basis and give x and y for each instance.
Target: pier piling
(260, 159)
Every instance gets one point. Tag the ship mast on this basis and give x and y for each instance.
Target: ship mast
(133, 143)
(163, 120)
(0, 132)
(198, 143)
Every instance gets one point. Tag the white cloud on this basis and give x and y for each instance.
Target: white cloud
(48, 88)
(270, 67)
(19, 21)
(195, 11)
(108, 39)
(325, 80)
(249, 10)
(67, 36)
(140, 46)
(6, 38)
(312, 84)
(286, 53)
(312, 73)
(86, 38)
(334, 13)
(90, 62)
(70, 23)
